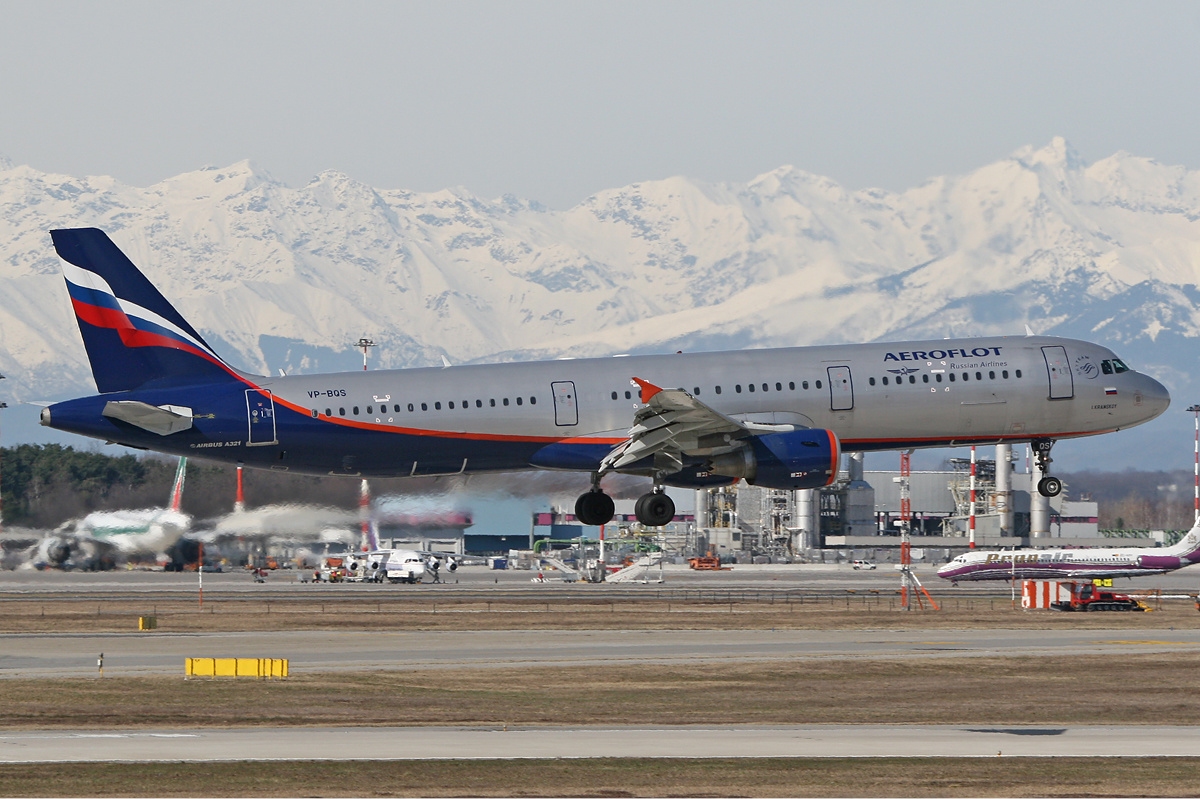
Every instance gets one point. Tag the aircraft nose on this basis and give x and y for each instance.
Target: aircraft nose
(1155, 397)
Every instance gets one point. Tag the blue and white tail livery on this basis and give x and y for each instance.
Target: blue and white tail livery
(778, 418)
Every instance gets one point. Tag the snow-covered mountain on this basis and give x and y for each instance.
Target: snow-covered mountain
(277, 277)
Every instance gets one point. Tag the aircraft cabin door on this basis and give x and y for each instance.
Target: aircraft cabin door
(260, 411)
(841, 389)
(566, 411)
(1062, 384)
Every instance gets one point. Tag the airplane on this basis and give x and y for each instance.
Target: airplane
(778, 418)
(1083, 564)
(96, 540)
(376, 563)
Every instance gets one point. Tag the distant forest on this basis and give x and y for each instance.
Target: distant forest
(46, 485)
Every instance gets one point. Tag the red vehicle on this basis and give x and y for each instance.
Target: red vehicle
(1088, 597)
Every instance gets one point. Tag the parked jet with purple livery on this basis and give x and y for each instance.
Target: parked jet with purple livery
(1082, 564)
(778, 418)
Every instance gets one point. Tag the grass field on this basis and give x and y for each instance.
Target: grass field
(716, 610)
(1136, 689)
(1067, 777)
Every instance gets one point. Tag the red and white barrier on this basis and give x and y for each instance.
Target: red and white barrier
(1042, 593)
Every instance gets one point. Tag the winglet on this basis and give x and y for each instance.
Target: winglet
(648, 388)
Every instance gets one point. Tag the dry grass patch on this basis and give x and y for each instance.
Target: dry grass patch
(614, 778)
(422, 612)
(1137, 689)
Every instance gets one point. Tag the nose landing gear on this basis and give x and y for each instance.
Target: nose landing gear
(1048, 486)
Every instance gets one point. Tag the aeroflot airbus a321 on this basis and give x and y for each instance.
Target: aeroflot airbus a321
(778, 418)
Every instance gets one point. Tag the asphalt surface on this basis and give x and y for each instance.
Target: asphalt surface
(48, 655)
(475, 743)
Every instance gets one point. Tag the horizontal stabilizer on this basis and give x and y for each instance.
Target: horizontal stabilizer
(161, 419)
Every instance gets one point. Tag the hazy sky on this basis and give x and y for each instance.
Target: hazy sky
(554, 101)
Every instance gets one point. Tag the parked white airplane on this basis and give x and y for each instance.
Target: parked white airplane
(1084, 564)
(377, 563)
(99, 538)
(778, 418)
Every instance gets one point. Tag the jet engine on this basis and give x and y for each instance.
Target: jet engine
(1164, 562)
(799, 459)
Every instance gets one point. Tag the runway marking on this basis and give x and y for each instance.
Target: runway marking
(1151, 643)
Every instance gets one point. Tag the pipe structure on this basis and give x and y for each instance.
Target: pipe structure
(1004, 488)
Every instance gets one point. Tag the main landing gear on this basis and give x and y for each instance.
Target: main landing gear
(596, 508)
(1048, 486)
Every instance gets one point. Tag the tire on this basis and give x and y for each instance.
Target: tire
(655, 509)
(1049, 486)
(594, 508)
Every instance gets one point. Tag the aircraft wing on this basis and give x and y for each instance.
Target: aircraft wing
(673, 424)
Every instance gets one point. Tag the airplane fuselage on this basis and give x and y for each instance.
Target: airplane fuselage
(568, 414)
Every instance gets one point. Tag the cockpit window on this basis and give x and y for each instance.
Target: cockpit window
(1118, 366)
(1106, 367)
(1115, 366)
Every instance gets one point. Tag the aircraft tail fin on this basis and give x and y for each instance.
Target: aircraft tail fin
(1188, 547)
(370, 534)
(133, 335)
(177, 486)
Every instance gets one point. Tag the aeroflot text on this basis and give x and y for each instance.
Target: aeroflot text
(937, 355)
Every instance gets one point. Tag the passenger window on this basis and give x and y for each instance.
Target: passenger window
(792, 386)
(805, 385)
(424, 407)
(696, 391)
(410, 407)
(1004, 374)
(966, 376)
(492, 403)
(328, 412)
(952, 377)
(519, 400)
(437, 406)
(818, 384)
(628, 395)
(341, 411)
(938, 377)
(356, 410)
(779, 386)
(913, 379)
(991, 375)
(533, 400)
(738, 388)
(871, 380)
(450, 405)
(717, 389)
(1017, 373)
(885, 381)
(766, 387)
(369, 411)
(478, 403)
(315, 413)
(924, 378)
(506, 402)
(751, 387)
(979, 375)
(614, 395)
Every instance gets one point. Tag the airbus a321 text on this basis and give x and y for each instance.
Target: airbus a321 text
(778, 418)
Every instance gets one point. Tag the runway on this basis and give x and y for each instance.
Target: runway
(49, 655)
(475, 743)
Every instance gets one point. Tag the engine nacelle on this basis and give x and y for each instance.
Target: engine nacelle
(452, 564)
(1164, 562)
(796, 460)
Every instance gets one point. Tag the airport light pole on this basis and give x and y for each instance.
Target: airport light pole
(3, 405)
(363, 344)
(1195, 409)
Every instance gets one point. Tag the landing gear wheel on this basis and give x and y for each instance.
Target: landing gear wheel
(1049, 486)
(594, 508)
(654, 509)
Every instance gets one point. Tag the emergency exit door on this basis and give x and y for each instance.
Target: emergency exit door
(1062, 384)
(841, 389)
(260, 412)
(566, 410)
